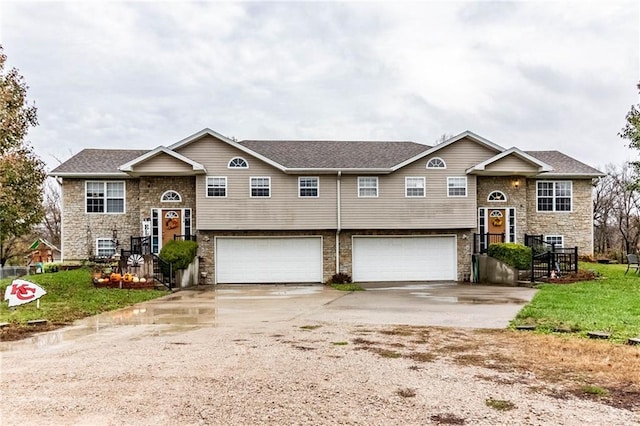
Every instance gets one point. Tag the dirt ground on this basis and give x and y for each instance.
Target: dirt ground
(295, 372)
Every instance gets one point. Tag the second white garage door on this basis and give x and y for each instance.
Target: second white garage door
(404, 258)
(268, 260)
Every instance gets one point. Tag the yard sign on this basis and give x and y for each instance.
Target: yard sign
(21, 292)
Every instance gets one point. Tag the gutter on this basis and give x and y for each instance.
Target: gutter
(338, 221)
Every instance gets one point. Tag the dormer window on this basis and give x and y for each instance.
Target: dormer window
(238, 163)
(497, 196)
(436, 163)
(170, 197)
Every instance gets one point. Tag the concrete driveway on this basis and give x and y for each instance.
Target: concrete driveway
(435, 304)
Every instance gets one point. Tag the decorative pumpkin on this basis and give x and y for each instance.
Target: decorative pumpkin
(127, 278)
(136, 279)
(143, 280)
(115, 278)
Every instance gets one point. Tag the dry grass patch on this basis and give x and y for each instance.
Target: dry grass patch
(406, 392)
(422, 356)
(447, 419)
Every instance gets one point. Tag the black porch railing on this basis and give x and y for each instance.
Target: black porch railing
(481, 242)
(547, 259)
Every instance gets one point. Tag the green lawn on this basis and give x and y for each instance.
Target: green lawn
(611, 304)
(70, 296)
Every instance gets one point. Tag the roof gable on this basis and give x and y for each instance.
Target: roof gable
(504, 164)
(464, 135)
(192, 166)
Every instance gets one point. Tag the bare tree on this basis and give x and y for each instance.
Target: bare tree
(626, 206)
(51, 226)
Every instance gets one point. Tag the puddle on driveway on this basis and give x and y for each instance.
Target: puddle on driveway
(188, 309)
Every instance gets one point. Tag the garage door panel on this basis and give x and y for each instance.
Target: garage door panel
(268, 260)
(404, 258)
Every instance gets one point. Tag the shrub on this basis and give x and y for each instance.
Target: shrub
(179, 253)
(340, 278)
(515, 255)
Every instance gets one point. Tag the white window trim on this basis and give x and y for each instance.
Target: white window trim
(104, 182)
(466, 187)
(229, 166)
(206, 187)
(251, 187)
(162, 200)
(98, 240)
(497, 201)
(377, 187)
(317, 187)
(561, 237)
(554, 196)
(434, 167)
(424, 187)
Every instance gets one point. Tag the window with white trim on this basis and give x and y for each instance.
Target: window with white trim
(436, 163)
(216, 186)
(260, 187)
(558, 240)
(554, 196)
(308, 187)
(367, 186)
(457, 186)
(170, 197)
(414, 187)
(105, 247)
(238, 163)
(497, 196)
(104, 197)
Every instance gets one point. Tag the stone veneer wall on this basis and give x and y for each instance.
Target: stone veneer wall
(152, 188)
(576, 226)
(516, 198)
(80, 230)
(206, 249)
(464, 240)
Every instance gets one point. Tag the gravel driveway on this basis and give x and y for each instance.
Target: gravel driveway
(273, 364)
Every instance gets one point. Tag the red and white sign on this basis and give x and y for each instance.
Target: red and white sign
(21, 292)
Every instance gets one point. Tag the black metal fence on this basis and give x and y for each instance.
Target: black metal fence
(547, 259)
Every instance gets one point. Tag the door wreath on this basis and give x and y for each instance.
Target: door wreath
(172, 223)
(496, 221)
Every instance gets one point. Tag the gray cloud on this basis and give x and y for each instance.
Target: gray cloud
(537, 75)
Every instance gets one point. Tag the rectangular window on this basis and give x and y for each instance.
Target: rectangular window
(104, 197)
(308, 186)
(554, 196)
(105, 247)
(260, 187)
(414, 186)
(367, 186)
(558, 240)
(457, 186)
(216, 186)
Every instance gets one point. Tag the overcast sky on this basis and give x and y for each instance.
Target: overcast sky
(536, 75)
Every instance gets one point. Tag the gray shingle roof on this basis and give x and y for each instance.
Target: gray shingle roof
(563, 164)
(335, 154)
(96, 161)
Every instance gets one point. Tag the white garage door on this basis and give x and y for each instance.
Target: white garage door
(404, 258)
(269, 260)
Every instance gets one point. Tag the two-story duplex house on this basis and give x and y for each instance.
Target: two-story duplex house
(277, 211)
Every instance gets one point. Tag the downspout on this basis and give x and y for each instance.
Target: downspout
(338, 221)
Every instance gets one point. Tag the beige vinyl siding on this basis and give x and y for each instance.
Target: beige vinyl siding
(163, 163)
(391, 209)
(511, 164)
(283, 210)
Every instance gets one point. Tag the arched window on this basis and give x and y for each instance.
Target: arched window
(238, 163)
(497, 196)
(436, 163)
(170, 197)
